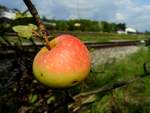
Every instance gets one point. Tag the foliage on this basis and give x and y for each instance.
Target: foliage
(25, 31)
(23, 15)
(84, 25)
(23, 21)
(2, 9)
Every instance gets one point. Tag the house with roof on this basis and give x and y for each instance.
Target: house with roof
(127, 30)
(9, 14)
(130, 30)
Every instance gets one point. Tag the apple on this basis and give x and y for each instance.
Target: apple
(66, 64)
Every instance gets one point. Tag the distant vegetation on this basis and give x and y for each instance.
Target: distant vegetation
(83, 25)
(85, 29)
(62, 25)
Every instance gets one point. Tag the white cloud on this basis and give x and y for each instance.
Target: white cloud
(44, 7)
(120, 17)
(134, 14)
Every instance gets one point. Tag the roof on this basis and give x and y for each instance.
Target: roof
(128, 29)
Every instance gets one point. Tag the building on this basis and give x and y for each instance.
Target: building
(77, 24)
(8, 14)
(129, 30)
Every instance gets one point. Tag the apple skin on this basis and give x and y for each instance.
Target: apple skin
(66, 64)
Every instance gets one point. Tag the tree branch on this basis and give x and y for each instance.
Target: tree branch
(38, 21)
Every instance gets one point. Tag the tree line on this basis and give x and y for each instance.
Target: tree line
(83, 25)
(62, 25)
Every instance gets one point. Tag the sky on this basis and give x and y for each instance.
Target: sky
(135, 13)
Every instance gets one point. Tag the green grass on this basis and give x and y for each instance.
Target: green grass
(134, 98)
(111, 37)
(96, 37)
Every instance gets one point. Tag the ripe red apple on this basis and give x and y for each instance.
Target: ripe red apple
(66, 64)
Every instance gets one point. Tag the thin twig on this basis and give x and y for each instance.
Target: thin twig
(38, 21)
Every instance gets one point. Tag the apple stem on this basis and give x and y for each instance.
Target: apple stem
(38, 21)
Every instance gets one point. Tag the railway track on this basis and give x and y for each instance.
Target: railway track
(112, 44)
(30, 47)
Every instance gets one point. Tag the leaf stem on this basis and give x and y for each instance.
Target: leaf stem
(38, 21)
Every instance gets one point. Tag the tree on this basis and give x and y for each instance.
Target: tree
(105, 26)
(121, 26)
(2, 9)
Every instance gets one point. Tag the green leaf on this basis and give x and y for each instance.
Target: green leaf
(32, 26)
(33, 98)
(24, 31)
(50, 99)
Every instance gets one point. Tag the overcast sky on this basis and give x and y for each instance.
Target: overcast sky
(135, 13)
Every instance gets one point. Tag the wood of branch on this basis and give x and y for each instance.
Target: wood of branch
(38, 21)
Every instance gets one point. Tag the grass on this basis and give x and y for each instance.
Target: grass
(96, 37)
(134, 98)
(111, 37)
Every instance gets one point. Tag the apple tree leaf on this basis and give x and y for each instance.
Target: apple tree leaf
(50, 99)
(33, 98)
(24, 31)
